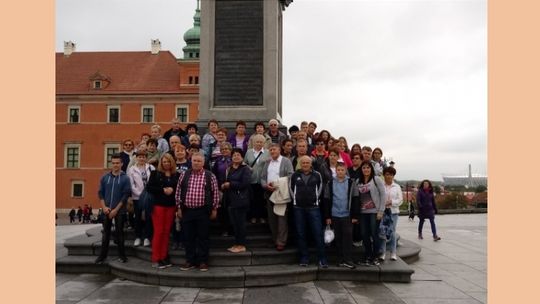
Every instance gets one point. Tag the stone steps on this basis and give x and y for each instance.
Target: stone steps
(139, 270)
(260, 265)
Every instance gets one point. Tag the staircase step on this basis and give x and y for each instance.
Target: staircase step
(139, 270)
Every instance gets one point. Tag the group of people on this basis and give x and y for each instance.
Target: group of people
(180, 181)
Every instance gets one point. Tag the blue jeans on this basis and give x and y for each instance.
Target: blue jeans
(370, 234)
(313, 218)
(392, 242)
(431, 221)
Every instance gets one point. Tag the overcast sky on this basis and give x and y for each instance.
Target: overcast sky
(407, 76)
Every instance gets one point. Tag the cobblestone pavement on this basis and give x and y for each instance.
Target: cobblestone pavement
(453, 270)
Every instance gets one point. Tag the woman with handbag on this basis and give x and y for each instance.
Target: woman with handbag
(162, 185)
(138, 176)
(236, 192)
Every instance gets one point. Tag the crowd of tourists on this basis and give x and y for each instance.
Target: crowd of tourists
(309, 183)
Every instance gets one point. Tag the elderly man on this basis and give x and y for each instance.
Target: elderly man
(175, 130)
(162, 144)
(174, 140)
(274, 177)
(197, 198)
(306, 188)
(275, 134)
(301, 150)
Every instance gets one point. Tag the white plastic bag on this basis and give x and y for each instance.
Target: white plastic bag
(328, 235)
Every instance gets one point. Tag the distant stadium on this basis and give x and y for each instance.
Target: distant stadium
(471, 180)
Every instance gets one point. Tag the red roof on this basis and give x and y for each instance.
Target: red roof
(128, 72)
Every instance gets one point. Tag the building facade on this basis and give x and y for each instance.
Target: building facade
(103, 98)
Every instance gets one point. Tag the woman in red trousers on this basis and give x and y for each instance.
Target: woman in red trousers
(162, 185)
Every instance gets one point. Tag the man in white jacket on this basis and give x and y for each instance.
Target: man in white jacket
(274, 168)
(394, 199)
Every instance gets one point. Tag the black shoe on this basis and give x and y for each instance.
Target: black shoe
(166, 262)
(122, 259)
(162, 265)
(99, 261)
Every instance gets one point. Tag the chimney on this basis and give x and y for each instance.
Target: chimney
(156, 46)
(69, 47)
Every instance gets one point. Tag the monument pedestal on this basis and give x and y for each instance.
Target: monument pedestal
(240, 61)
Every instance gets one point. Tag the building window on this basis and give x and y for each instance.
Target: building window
(113, 114)
(74, 114)
(97, 84)
(197, 55)
(72, 156)
(182, 113)
(196, 79)
(190, 79)
(147, 113)
(110, 149)
(77, 189)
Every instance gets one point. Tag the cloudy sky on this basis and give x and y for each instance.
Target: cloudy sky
(409, 76)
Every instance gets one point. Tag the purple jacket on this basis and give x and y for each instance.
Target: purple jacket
(426, 204)
(232, 140)
(220, 168)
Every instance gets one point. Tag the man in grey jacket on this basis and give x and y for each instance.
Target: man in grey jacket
(274, 168)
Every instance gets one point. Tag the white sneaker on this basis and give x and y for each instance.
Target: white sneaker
(357, 244)
(137, 242)
(393, 257)
(146, 242)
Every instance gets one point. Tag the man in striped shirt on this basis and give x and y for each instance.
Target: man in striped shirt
(197, 198)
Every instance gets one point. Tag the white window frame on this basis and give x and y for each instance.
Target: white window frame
(94, 84)
(72, 188)
(182, 106)
(69, 114)
(109, 113)
(153, 113)
(105, 148)
(66, 147)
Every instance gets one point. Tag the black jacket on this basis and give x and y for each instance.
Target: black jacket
(157, 182)
(239, 192)
(306, 194)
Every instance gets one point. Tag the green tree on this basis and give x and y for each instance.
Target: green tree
(480, 189)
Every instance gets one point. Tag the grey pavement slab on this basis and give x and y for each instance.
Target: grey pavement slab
(427, 289)
(441, 301)
(221, 296)
(295, 293)
(372, 293)
(77, 290)
(181, 295)
(127, 292)
(333, 292)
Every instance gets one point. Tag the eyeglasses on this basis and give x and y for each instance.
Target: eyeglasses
(273, 125)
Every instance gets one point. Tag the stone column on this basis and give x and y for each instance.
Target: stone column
(240, 61)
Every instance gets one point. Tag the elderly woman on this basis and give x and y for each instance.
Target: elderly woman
(372, 198)
(219, 169)
(394, 199)
(236, 194)
(425, 199)
(162, 184)
(255, 159)
(260, 129)
(221, 137)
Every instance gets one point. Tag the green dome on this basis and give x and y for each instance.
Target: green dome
(192, 37)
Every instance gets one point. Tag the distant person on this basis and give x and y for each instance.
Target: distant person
(72, 214)
(273, 131)
(255, 158)
(377, 158)
(239, 139)
(260, 129)
(79, 214)
(425, 199)
(209, 139)
(191, 129)
(114, 190)
(411, 210)
(394, 199)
